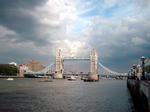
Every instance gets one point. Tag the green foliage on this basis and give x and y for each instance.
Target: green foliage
(6, 69)
(147, 69)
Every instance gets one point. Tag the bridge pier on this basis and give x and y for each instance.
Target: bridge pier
(58, 76)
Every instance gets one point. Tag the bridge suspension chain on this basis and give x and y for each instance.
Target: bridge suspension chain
(107, 71)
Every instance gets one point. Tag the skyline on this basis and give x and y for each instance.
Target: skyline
(117, 29)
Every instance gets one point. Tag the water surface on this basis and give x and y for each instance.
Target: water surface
(32, 95)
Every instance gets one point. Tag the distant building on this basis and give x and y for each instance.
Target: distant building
(139, 71)
(147, 65)
(34, 65)
(22, 70)
(13, 63)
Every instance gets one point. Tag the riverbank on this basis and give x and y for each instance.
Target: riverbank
(140, 92)
(11, 77)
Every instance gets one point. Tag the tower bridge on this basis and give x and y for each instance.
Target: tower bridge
(59, 64)
(95, 66)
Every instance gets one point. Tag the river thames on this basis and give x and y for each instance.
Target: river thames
(32, 95)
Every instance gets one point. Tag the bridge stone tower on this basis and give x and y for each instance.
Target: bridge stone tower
(93, 66)
(58, 65)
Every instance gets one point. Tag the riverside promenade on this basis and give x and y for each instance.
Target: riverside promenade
(138, 83)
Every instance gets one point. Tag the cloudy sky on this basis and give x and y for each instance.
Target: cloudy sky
(33, 29)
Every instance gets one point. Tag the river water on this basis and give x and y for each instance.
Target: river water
(32, 95)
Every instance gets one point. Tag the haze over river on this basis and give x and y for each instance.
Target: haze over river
(32, 95)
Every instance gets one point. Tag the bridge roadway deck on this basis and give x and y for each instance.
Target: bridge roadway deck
(76, 58)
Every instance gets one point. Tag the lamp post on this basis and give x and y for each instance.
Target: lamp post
(143, 72)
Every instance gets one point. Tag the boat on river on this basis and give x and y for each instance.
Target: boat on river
(72, 78)
(9, 79)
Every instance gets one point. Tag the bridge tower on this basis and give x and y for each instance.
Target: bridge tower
(58, 65)
(93, 76)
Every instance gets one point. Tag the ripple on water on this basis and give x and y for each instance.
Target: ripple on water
(31, 95)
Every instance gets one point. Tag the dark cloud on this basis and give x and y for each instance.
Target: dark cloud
(33, 29)
(13, 15)
(120, 43)
(23, 53)
(9, 4)
(23, 35)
